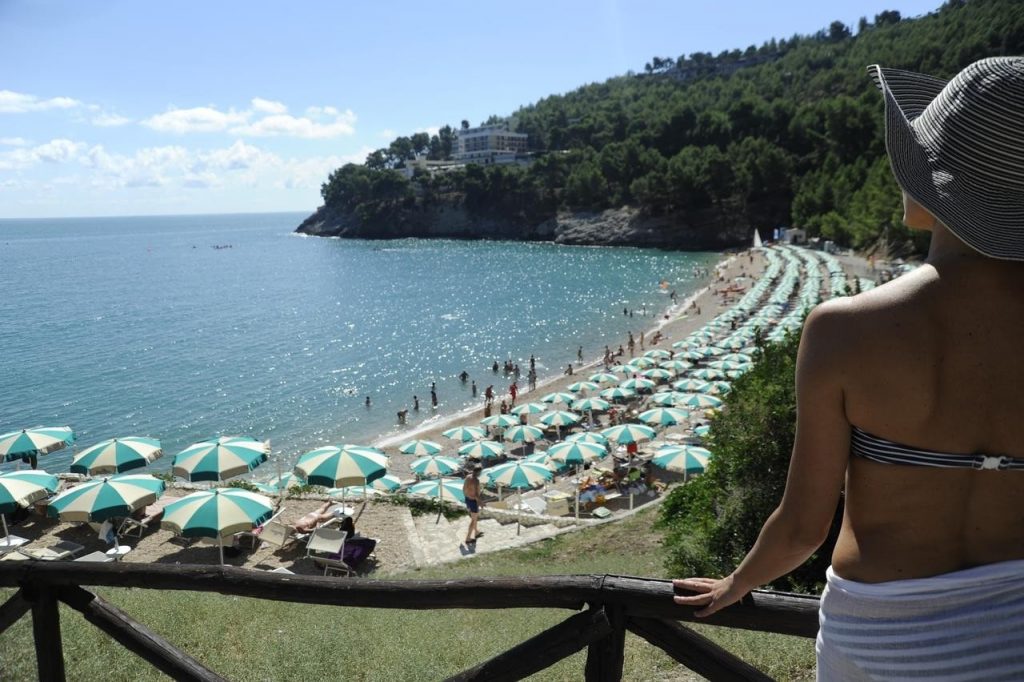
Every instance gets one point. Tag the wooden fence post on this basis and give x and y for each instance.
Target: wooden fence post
(46, 632)
(605, 656)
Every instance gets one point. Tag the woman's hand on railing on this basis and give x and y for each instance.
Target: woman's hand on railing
(714, 593)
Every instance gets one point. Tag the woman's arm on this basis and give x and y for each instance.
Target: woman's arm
(800, 523)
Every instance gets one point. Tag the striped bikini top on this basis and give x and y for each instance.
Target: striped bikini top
(865, 445)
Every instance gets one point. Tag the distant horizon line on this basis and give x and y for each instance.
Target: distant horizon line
(153, 215)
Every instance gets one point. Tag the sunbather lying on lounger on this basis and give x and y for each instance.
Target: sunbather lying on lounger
(313, 519)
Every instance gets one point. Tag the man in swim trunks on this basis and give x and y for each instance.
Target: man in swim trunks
(471, 490)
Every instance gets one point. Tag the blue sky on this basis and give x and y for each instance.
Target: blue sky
(139, 108)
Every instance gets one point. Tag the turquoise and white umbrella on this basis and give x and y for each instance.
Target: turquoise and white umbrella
(217, 513)
(220, 459)
(617, 393)
(727, 365)
(590, 405)
(702, 431)
(105, 498)
(116, 456)
(587, 437)
(336, 467)
(523, 433)
(528, 408)
(658, 354)
(559, 418)
(21, 489)
(27, 444)
(576, 453)
(484, 449)
(517, 475)
(355, 492)
(640, 363)
(664, 416)
(693, 355)
(624, 369)
(708, 374)
(604, 378)
(279, 484)
(388, 483)
(676, 366)
(692, 385)
(435, 465)
(738, 357)
(542, 458)
(583, 386)
(720, 387)
(464, 434)
(629, 433)
(667, 398)
(443, 489)
(559, 397)
(657, 374)
(735, 373)
(682, 459)
(638, 384)
(700, 400)
(500, 420)
(420, 448)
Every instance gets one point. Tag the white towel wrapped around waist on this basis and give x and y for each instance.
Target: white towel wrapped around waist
(965, 625)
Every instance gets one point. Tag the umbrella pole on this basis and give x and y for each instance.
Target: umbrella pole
(577, 492)
(7, 534)
(220, 544)
(519, 513)
(440, 499)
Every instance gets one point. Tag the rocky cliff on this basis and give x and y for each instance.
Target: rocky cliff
(700, 231)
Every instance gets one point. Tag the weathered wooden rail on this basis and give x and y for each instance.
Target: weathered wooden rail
(607, 606)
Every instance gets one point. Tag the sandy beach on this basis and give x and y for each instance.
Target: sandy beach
(394, 528)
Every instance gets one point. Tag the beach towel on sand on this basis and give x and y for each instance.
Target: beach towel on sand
(965, 625)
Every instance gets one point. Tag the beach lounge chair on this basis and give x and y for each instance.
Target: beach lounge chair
(275, 533)
(96, 557)
(62, 551)
(326, 548)
(145, 518)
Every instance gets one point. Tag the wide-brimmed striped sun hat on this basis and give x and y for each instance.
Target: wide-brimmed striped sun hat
(957, 148)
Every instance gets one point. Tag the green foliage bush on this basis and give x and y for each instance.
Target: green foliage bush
(711, 522)
(420, 506)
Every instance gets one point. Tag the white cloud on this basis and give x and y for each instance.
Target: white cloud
(13, 141)
(388, 134)
(317, 112)
(19, 103)
(58, 150)
(292, 126)
(267, 106)
(195, 120)
(106, 120)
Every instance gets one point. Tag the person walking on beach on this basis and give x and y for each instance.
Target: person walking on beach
(579, 355)
(471, 491)
(433, 398)
(907, 411)
(631, 345)
(513, 391)
(472, 387)
(489, 395)
(415, 404)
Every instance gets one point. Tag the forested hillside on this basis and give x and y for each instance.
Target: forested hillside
(786, 133)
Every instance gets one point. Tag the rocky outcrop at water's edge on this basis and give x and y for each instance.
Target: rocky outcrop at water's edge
(707, 230)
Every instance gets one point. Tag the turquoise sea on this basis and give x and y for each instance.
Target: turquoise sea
(189, 327)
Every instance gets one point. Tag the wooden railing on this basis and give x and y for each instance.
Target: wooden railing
(608, 606)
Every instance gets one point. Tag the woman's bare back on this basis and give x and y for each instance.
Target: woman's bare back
(934, 360)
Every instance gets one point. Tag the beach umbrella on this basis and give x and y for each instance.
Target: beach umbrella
(522, 433)
(604, 378)
(657, 374)
(623, 369)
(616, 393)
(464, 434)
(559, 418)
(388, 483)
(443, 489)
(738, 357)
(560, 397)
(686, 344)
(735, 373)
(21, 489)
(335, 467)
(542, 458)
(708, 374)
(629, 433)
(726, 365)
(483, 449)
(666, 399)
(279, 484)
(702, 431)
(587, 437)
(700, 400)
(738, 341)
(720, 387)
(528, 408)
(105, 498)
(583, 386)
(434, 465)
(500, 420)
(658, 354)
(354, 492)
(694, 355)
(116, 456)
(518, 476)
(217, 513)
(638, 384)
(220, 459)
(684, 459)
(664, 416)
(692, 384)
(27, 444)
(715, 351)
(420, 447)
(576, 453)
(640, 363)
(590, 405)
(676, 366)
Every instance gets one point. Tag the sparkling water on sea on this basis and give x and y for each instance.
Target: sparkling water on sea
(188, 327)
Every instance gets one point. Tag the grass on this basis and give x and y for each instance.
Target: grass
(250, 639)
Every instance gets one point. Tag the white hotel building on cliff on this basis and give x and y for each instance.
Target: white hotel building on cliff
(486, 145)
